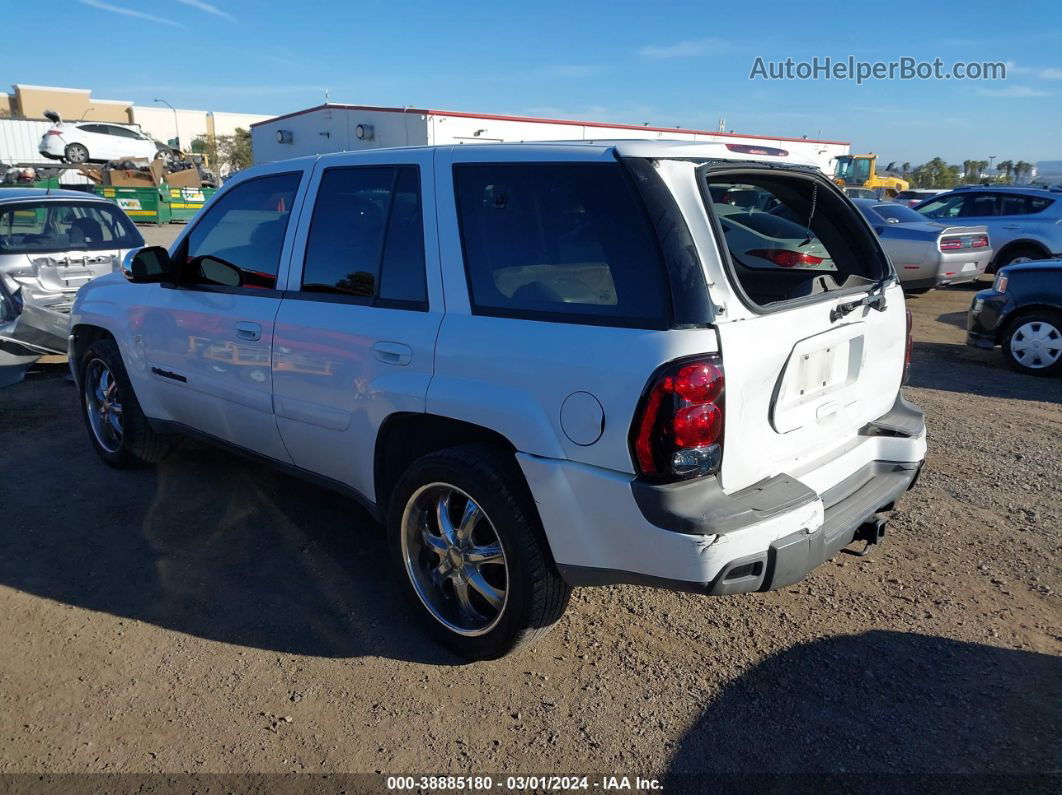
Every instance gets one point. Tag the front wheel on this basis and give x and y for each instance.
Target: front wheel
(117, 427)
(467, 546)
(1033, 343)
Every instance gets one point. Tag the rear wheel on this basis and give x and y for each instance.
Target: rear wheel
(1033, 343)
(117, 427)
(76, 153)
(468, 549)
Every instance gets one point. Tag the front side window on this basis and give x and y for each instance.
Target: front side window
(943, 207)
(366, 238)
(27, 228)
(238, 242)
(568, 242)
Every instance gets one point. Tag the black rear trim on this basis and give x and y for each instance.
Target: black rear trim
(690, 305)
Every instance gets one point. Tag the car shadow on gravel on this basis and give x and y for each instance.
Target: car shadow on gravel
(878, 703)
(206, 543)
(968, 370)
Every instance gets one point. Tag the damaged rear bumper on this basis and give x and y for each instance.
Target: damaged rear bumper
(27, 332)
(604, 528)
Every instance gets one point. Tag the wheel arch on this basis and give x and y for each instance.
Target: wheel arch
(1019, 313)
(406, 436)
(1014, 245)
(82, 336)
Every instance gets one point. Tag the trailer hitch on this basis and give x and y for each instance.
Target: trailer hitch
(871, 532)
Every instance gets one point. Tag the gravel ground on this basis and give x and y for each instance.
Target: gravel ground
(215, 616)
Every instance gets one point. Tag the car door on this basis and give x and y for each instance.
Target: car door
(93, 138)
(208, 337)
(129, 143)
(355, 334)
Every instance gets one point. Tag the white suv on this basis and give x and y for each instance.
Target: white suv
(541, 365)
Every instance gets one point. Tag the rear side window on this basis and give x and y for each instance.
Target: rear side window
(238, 241)
(796, 239)
(568, 242)
(366, 238)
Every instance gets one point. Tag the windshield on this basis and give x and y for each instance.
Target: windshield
(898, 212)
(853, 170)
(33, 227)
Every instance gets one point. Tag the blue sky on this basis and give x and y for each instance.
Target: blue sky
(680, 63)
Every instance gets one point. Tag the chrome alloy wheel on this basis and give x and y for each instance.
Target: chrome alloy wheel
(454, 558)
(1036, 344)
(104, 405)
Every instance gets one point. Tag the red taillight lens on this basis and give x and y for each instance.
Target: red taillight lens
(54, 132)
(979, 241)
(950, 243)
(784, 258)
(908, 345)
(678, 430)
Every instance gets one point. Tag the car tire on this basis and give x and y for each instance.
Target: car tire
(1032, 343)
(117, 427)
(485, 583)
(1014, 256)
(76, 153)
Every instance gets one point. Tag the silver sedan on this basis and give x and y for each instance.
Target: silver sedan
(51, 243)
(927, 254)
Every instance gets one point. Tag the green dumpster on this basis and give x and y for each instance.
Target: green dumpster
(185, 202)
(143, 205)
(161, 205)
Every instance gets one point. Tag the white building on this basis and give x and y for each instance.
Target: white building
(336, 128)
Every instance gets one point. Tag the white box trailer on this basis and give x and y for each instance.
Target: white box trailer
(341, 128)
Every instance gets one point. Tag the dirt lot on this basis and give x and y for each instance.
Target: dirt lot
(213, 615)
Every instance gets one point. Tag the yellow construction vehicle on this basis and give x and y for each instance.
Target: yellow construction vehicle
(858, 171)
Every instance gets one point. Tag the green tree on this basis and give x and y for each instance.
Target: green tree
(1022, 171)
(1004, 170)
(935, 174)
(234, 151)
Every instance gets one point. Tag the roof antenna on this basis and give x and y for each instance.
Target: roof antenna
(326, 96)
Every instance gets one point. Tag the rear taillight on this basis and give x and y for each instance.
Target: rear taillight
(950, 243)
(54, 132)
(908, 345)
(678, 429)
(979, 241)
(784, 258)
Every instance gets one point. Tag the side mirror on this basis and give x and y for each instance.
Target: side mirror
(148, 265)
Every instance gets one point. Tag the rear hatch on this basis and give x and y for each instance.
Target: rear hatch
(813, 347)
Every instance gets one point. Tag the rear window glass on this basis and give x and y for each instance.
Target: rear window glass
(27, 228)
(898, 212)
(798, 239)
(567, 242)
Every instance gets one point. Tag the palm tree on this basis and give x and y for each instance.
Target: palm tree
(1021, 171)
(906, 169)
(1005, 168)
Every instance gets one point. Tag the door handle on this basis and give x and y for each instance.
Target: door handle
(248, 331)
(1011, 226)
(393, 353)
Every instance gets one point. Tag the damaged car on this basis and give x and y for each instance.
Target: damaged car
(51, 243)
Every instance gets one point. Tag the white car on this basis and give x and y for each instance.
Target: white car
(537, 364)
(84, 142)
